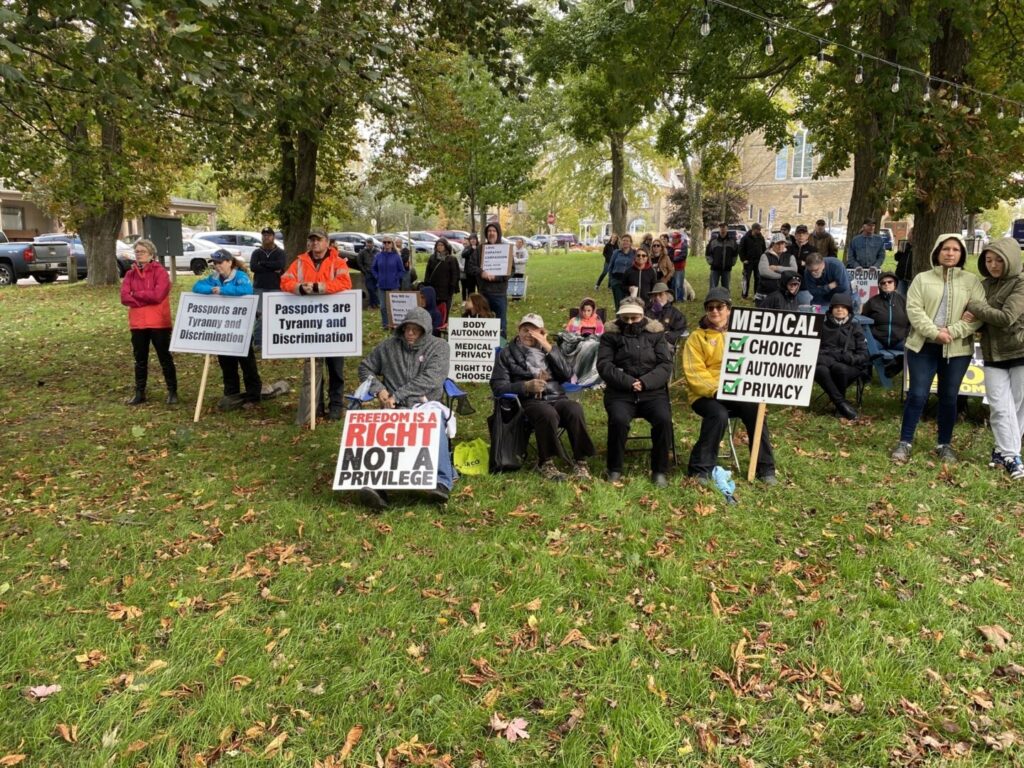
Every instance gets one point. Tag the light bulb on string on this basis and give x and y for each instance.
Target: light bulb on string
(630, 6)
(1002, 112)
(705, 24)
(1020, 120)
(821, 57)
(927, 92)
(769, 49)
(977, 107)
(955, 103)
(895, 88)
(858, 77)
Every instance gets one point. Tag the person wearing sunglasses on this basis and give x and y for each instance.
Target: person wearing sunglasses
(890, 325)
(641, 276)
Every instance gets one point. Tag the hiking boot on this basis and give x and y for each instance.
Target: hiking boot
(946, 453)
(334, 414)
(613, 476)
(659, 480)
(549, 471)
(172, 397)
(901, 453)
(846, 411)
(230, 402)
(583, 471)
(1015, 467)
(768, 478)
(138, 399)
(997, 460)
(439, 495)
(374, 499)
(703, 480)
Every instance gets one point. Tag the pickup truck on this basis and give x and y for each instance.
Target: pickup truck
(43, 261)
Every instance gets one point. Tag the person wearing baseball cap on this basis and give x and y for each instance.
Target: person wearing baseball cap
(787, 297)
(267, 263)
(635, 363)
(535, 370)
(702, 363)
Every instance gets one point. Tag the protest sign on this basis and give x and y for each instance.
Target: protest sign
(517, 287)
(770, 356)
(973, 384)
(389, 449)
(327, 325)
(398, 305)
(214, 325)
(497, 259)
(863, 284)
(472, 343)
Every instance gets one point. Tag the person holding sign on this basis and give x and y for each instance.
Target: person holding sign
(941, 342)
(842, 355)
(1002, 345)
(635, 363)
(229, 278)
(534, 369)
(320, 271)
(494, 287)
(442, 274)
(408, 369)
(145, 290)
(388, 272)
(702, 367)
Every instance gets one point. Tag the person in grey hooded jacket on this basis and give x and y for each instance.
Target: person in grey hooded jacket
(406, 369)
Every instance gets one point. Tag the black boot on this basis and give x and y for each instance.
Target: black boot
(139, 398)
(172, 397)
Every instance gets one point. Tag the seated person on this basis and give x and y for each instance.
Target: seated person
(641, 276)
(824, 277)
(476, 306)
(843, 354)
(890, 324)
(534, 369)
(428, 301)
(776, 260)
(586, 322)
(660, 308)
(702, 362)
(787, 297)
(405, 369)
(635, 362)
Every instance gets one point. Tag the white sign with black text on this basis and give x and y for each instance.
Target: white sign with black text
(214, 325)
(497, 259)
(770, 356)
(472, 342)
(328, 325)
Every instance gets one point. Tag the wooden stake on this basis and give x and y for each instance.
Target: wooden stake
(755, 446)
(202, 389)
(312, 394)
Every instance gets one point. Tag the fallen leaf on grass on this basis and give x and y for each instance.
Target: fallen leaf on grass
(1011, 671)
(91, 659)
(220, 658)
(575, 715)
(69, 734)
(706, 738)
(11, 759)
(136, 746)
(415, 651)
(996, 635)
(238, 682)
(122, 612)
(355, 733)
(275, 745)
(155, 666)
(40, 692)
(110, 738)
(575, 637)
(512, 730)
(533, 605)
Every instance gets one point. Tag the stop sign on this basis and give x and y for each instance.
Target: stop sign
(551, 218)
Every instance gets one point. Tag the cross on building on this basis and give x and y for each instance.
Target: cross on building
(800, 197)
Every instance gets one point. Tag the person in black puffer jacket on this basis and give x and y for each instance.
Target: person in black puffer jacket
(890, 323)
(534, 369)
(786, 296)
(843, 354)
(635, 363)
(660, 308)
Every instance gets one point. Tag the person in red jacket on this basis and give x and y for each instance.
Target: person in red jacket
(146, 291)
(320, 270)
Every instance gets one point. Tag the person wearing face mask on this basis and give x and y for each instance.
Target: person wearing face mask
(702, 364)
(940, 343)
(404, 370)
(887, 311)
(229, 278)
(1002, 344)
(635, 363)
(145, 290)
(842, 354)
(660, 308)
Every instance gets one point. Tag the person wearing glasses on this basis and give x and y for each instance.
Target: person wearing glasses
(640, 278)
(890, 325)
(388, 270)
(145, 290)
(320, 271)
(702, 361)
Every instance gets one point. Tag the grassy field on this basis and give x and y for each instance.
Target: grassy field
(200, 595)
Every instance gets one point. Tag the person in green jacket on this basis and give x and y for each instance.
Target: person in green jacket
(940, 342)
(1002, 345)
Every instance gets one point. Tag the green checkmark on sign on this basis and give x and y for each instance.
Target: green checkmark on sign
(730, 387)
(737, 345)
(734, 366)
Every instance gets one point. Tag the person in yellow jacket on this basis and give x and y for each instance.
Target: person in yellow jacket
(940, 342)
(702, 361)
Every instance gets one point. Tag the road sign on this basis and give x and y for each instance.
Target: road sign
(551, 217)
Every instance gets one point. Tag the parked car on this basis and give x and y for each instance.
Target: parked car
(422, 236)
(19, 260)
(1017, 231)
(839, 235)
(122, 252)
(235, 240)
(196, 256)
(529, 242)
(459, 236)
(739, 229)
(981, 239)
(354, 239)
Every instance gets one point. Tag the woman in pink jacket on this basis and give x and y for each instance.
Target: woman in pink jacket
(146, 291)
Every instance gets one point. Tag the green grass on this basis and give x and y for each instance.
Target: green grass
(831, 620)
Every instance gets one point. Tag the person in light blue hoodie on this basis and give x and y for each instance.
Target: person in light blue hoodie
(229, 278)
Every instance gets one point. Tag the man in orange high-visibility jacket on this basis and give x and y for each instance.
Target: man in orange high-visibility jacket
(320, 270)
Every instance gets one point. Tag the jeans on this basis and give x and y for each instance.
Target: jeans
(750, 275)
(372, 292)
(679, 284)
(499, 306)
(446, 474)
(619, 291)
(257, 330)
(923, 366)
(720, 277)
(382, 300)
(715, 415)
(1004, 388)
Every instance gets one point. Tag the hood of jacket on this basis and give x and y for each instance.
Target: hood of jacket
(420, 317)
(891, 275)
(943, 238)
(651, 326)
(497, 226)
(786, 276)
(1007, 249)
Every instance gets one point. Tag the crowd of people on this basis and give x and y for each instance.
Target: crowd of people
(632, 355)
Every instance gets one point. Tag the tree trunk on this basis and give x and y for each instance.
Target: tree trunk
(483, 223)
(297, 185)
(695, 190)
(617, 208)
(472, 212)
(100, 225)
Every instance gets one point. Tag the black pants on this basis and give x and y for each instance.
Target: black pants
(715, 415)
(835, 378)
(622, 408)
(547, 416)
(749, 274)
(229, 370)
(335, 384)
(468, 286)
(161, 338)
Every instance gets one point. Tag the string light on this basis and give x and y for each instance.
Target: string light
(1002, 113)
(769, 49)
(895, 88)
(927, 91)
(630, 6)
(977, 107)
(955, 103)
(821, 56)
(1020, 120)
(705, 24)
(858, 78)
